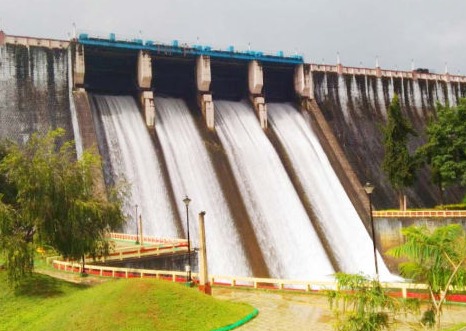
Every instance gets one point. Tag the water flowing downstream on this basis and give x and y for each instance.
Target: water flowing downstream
(351, 244)
(191, 172)
(288, 241)
(123, 135)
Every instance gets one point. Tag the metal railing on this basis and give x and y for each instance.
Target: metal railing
(420, 213)
(388, 73)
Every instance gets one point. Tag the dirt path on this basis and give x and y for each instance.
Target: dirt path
(73, 277)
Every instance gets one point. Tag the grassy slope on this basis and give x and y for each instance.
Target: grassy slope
(45, 303)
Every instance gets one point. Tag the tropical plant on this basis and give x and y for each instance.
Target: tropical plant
(58, 203)
(438, 259)
(362, 304)
(399, 166)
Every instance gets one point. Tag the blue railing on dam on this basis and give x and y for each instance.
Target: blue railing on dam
(195, 50)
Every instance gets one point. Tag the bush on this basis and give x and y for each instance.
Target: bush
(455, 206)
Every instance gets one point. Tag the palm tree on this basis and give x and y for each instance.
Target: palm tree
(436, 258)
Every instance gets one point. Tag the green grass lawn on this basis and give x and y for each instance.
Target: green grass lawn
(46, 303)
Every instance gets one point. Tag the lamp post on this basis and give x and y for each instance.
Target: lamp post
(369, 188)
(136, 221)
(186, 201)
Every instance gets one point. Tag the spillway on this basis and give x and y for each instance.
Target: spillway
(192, 173)
(126, 145)
(355, 106)
(349, 241)
(287, 239)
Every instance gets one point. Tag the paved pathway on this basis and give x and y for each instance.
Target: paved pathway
(281, 311)
(285, 311)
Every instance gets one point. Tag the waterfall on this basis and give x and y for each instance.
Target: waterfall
(450, 97)
(191, 172)
(122, 131)
(381, 97)
(287, 239)
(349, 241)
(344, 98)
(418, 97)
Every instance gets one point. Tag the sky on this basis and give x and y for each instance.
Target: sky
(431, 33)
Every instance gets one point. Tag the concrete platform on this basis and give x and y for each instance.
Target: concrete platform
(304, 312)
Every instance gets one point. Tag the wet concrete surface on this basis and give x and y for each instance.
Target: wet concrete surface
(281, 311)
(288, 311)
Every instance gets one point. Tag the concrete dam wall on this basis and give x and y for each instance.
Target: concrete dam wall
(355, 106)
(269, 147)
(34, 91)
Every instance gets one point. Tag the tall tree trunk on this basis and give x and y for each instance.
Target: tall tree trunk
(438, 313)
(402, 200)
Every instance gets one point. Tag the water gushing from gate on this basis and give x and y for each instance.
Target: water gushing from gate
(349, 241)
(191, 172)
(127, 146)
(288, 241)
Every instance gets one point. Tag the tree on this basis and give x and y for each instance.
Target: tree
(398, 164)
(436, 258)
(57, 203)
(445, 150)
(361, 304)
(7, 190)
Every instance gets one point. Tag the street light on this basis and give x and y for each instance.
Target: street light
(186, 201)
(136, 222)
(369, 188)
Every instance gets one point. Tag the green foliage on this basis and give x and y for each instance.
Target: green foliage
(18, 251)
(361, 304)
(428, 318)
(445, 150)
(435, 257)
(398, 164)
(8, 190)
(454, 206)
(45, 303)
(457, 327)
(57, 203)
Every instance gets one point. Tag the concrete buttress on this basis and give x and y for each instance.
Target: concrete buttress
(203, 80)
(79, 68)
(256, 83)
(144, 70)
(303, 81)
(147, 101)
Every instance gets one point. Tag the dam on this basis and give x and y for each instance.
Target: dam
(275, 150)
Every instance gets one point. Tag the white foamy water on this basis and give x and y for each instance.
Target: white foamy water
(450, 96)
(418, 97)
(191, 172)
(343, 96)
(133, 157)
(287, 239)
(381, 97)
(350, 242)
